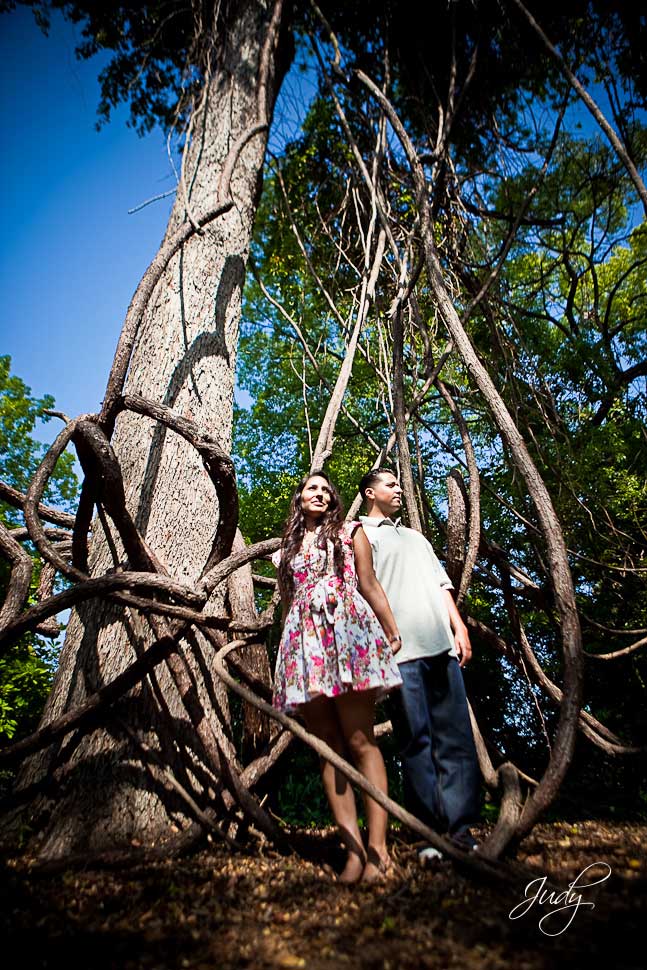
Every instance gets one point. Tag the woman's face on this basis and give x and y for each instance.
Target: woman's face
(315, 497)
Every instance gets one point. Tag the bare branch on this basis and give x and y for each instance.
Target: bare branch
(624, 652)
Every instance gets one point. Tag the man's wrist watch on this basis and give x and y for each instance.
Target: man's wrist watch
(395, 637)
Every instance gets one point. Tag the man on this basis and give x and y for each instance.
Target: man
(441, 773)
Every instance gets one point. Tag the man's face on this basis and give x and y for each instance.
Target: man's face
(385, 494)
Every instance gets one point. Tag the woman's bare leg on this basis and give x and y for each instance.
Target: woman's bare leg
(356, 712)
(321, 720)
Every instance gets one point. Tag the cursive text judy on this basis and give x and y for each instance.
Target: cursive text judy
(565, 903)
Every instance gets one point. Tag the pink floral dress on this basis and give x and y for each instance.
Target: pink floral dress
(332, 641)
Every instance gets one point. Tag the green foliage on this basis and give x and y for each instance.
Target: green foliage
(27, 668)
(20, 453)
(299, 795)
(26, 674)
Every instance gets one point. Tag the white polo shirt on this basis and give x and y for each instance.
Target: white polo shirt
(413, 580)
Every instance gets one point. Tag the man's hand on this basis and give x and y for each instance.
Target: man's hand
(462, 644)
(461, 635)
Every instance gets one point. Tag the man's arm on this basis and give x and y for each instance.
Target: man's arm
(461, 635)
(372, 590)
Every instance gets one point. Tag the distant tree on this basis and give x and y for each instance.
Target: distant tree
(27, 668)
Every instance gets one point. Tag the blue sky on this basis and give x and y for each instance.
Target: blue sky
(71, 255)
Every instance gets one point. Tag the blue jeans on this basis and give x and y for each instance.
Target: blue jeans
(442, 780)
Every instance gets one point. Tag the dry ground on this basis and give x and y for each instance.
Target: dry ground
(218, 909)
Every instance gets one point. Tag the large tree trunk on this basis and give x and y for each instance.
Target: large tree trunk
(111, 789)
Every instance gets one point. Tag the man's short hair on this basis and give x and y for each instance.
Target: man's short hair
(372, 478)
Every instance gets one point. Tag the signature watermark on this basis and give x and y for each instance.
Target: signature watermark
(563, 903)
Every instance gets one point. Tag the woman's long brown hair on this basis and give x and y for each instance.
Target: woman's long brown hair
(294, 530)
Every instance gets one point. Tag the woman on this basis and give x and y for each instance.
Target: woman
(335, 658)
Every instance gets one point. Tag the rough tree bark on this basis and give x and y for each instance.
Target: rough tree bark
(183, 356)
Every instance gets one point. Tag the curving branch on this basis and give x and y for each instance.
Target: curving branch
(83, 523)
(510, 811)
(591, 728)
(111, 583)
(49, 627)
(624, 652)
(32, 499)
(220, 572)
(19, 579)
(97, 703)
(13, 497)
(101, 465)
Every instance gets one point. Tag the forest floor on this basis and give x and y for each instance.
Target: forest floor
(219, 910)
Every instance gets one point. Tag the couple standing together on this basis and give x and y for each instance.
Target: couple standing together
(367, 609)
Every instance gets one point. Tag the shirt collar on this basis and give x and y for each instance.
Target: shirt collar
(372, 520)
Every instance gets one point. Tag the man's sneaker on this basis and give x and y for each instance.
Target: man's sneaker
(464, 840)
(429, 855)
